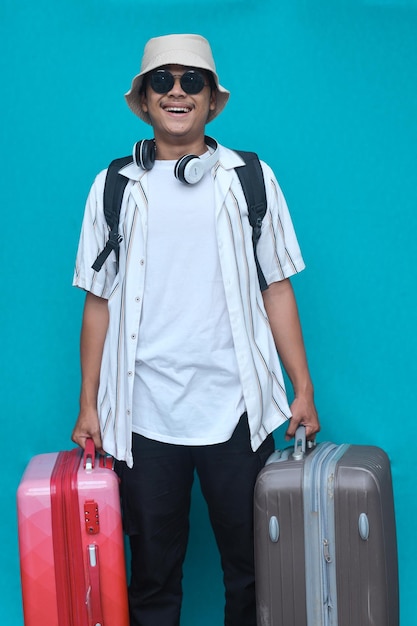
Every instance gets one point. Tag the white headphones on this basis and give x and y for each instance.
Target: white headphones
(189, 169)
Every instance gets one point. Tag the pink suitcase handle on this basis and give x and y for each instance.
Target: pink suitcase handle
(89, 456)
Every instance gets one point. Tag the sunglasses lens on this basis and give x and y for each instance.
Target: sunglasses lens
(192, 82)
(162, 81)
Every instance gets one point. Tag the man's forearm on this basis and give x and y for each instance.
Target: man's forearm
(282, 311)
(93, 334)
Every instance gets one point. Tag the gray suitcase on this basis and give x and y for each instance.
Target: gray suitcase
(325, 538)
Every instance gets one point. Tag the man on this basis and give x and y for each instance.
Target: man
(178, 345)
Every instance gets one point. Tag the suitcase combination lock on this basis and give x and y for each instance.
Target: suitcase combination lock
(92, 518)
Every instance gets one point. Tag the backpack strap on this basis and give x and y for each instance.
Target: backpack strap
(112, 202)
(252, 180)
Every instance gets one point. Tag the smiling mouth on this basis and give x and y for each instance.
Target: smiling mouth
(177, 110)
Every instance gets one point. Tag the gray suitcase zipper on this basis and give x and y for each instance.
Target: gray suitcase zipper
(319, 532)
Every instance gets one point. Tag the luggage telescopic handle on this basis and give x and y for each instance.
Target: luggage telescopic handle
(89, 456)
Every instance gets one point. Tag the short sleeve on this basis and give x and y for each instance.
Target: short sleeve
(278, 250)
(93, 238)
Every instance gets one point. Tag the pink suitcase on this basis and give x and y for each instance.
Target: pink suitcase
(71, 541)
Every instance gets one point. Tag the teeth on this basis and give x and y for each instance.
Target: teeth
(178, 109)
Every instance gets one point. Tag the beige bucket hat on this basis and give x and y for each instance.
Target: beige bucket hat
(187, 50)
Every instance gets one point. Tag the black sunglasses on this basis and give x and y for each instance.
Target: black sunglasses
(191, 82)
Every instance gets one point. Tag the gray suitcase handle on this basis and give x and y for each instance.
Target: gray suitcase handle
(299, 443)
(300, 446)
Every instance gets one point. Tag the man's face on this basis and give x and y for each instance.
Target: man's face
(177, 113)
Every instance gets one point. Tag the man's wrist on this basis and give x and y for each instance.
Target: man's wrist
(88, 400)
(304, 389)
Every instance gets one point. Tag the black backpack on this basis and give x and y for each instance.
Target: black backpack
(251, 179)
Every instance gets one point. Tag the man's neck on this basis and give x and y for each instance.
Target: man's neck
(178, 147)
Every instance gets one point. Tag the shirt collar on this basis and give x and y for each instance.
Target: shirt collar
(132, 171)
(228, 159)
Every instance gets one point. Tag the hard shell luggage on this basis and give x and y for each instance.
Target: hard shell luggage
(325, 538)
(71, 541)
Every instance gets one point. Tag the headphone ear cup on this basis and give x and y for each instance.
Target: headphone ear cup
(189, 169)
(144, 154)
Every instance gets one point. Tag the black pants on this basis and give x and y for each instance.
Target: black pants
(156, 496)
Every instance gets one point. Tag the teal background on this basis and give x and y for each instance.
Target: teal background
(326, 92)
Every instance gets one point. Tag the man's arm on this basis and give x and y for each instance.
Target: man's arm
(281, 308)
(93, 333)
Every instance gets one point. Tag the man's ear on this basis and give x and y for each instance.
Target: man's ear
(213, 99)
(143, 101)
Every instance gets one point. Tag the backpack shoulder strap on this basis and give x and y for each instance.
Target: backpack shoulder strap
(253, 185)
(114, 187)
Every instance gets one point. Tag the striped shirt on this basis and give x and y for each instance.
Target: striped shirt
(279, 256)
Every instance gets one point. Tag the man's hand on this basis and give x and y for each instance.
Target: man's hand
(304, 413)
(88, 426)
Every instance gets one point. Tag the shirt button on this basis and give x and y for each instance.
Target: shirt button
(142, 261)
(137, 299)
(133, 336)
(130, 373)
(128, 412)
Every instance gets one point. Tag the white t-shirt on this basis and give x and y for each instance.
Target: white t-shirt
(187, 388)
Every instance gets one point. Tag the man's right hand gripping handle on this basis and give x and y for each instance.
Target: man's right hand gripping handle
(87, 426)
